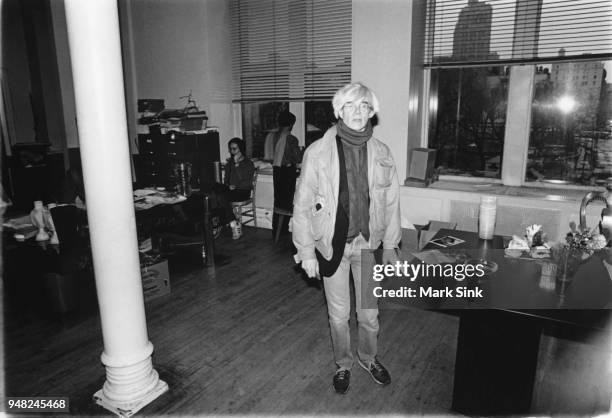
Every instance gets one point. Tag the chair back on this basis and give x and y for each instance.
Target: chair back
(241, 207)
(410, 240)
(65, 220)
(254, 185)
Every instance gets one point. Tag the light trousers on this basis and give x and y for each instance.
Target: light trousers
(338, 295)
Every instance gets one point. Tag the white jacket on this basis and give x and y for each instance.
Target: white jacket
(316, 198)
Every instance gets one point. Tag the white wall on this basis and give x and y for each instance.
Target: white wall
(60, 33)
(181, 46)
(420, 205)
(219, 70)
(45, 26)
(381, 60)
(16, 73)
(49, 75)
(170, 50)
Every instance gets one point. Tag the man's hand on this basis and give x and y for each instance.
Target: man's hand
(232, 187)
(311, 267)
(389, 256)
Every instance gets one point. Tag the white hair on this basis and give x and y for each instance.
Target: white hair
(354, 92)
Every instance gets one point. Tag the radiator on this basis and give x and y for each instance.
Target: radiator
(511, 220)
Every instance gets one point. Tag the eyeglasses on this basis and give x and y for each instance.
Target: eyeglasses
(364, 107)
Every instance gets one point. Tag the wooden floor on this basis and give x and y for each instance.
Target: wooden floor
(251, 337)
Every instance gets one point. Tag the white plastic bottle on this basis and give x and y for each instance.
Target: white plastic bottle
(486, 217)
(38, 220)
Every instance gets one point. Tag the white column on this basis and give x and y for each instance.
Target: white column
(381, 29)
(518, 123)
(93, 33)
(299, 129)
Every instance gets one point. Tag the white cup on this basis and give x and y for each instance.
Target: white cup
(486, 217)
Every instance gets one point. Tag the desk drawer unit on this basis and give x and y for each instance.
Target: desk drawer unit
(160, 152)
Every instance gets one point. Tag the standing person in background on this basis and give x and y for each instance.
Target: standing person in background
(348, 200)
(282, 148)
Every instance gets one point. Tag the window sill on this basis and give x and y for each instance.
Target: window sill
(535, 191)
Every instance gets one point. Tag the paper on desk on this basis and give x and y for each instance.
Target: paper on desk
(433, 257)
(143, 192)
(16, 223)
(434, 227)
(154, 200)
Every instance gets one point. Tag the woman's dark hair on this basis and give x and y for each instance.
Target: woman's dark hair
(240, 143)
(286, 119)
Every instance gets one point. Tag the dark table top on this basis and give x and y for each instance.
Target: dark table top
(521, 285)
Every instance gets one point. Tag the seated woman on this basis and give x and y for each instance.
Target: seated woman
(239, 171)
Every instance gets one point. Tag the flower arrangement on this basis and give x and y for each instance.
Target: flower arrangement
(578, 247)
(587, 241)
(568, 255)
(577, 241)
(533, 241)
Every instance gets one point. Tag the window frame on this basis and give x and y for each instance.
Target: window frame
(297, 107)
(517, 113)
(514, 112)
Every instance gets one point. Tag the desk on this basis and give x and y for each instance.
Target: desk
(519, 284)
(185, 222)
(40, 277)
(497, 349)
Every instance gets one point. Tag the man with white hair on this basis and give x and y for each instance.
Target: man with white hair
(347, 200)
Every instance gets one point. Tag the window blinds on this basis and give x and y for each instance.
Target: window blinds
(290, 49)
(473, 32)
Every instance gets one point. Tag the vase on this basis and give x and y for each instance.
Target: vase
(568, 261)
(37, 217)
(486, 217)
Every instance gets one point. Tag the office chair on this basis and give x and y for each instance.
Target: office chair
(242, 209)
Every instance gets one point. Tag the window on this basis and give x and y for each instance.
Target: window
(258, 119)
(471, 49)
(469, 130)
(287, 51)
(319, 118)
(571, 129)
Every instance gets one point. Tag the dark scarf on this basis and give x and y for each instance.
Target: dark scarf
(327, 268)
(352, 136)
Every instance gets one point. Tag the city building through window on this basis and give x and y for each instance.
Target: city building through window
(471, 50)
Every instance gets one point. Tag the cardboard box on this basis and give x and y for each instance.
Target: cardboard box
(155, 280)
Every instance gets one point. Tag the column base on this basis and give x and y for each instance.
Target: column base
(127, 409)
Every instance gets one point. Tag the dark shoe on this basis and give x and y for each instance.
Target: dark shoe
(342, 380)
(377, 371)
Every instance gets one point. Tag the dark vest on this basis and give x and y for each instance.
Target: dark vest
(328, 267)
